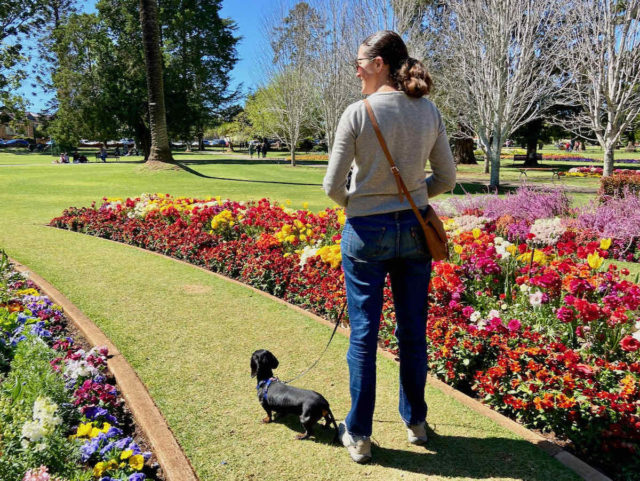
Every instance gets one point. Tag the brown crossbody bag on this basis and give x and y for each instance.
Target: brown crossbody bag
(434, 233)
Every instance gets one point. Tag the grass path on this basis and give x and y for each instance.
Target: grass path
(189, 336)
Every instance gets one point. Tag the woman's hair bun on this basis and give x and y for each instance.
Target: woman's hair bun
(413, 78)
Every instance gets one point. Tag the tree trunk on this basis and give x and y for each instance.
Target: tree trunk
(463, 145)
(463, 151)
(533, 132)
(494, 154)
(487, 163)
(292, 151)
(160, 150)
(532, 152)
(608, 161)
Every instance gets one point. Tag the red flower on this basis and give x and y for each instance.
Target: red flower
(629, 344)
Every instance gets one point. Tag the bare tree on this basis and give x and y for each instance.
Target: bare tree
(499, 62)
(290, 96)
(602, 60)
(332, 72)
(160, 151)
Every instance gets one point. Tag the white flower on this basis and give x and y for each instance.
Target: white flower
(307, 253)
(504, 307)
(475, 316)
(33, 431)
(466, 223)
(493, 313)
(524, 287)
(535, 299)
(636, 335)
(637, 325)
(547, 231)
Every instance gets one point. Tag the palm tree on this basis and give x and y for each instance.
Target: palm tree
(160, 151)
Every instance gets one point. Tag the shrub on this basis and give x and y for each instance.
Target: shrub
(619, 185)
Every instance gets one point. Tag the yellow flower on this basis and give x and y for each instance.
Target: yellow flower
(457, 248)
(288, 201)
(112, 464)
(512, 249)
(303, 237)
(126, 454)
(84, 430)
(106, 427)
(95, 432)
(605, 243)
(136, 462)
(476, 233)
(539, 257)
(305, 205)
(594, 260)
(99, 468)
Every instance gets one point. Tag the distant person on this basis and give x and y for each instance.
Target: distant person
(117, 151)
(75, 157)
(82, 159)
(265, 148)
(103, 154)
(251, 149)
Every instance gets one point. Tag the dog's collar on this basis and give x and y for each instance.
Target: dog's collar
(265, 384)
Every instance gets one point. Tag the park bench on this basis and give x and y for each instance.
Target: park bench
(522, 158)
(555, 172)
(110, 155)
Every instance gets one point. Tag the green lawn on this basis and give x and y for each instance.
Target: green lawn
(189, 335)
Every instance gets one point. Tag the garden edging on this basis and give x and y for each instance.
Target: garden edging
(175, 465)
(569, 460)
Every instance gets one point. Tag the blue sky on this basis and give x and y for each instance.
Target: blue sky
(248, 16)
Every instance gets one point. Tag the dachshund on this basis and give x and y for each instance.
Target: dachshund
(277, 396)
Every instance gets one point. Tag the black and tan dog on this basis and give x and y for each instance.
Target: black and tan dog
(284, 399)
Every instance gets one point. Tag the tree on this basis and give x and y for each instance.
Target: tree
(332, 72)
(499, 66)
(291, 97)
(84, 53)
(160, 150)
(602, 60)
(17, 17)
(200, 51)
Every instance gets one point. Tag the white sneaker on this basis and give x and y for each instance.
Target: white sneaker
(359, 447)
(417, 433)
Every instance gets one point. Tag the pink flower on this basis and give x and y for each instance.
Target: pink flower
(584, 370)
(467, 311)
(39, 474)
(514, 325)
(566, 315)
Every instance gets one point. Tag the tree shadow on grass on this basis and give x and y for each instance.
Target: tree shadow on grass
(240, 161)
(199, 174)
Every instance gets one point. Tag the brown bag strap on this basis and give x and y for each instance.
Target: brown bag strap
(394, 168)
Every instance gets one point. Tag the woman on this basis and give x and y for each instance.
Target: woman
(382, 235)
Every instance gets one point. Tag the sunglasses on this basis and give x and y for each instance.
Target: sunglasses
(356, 62)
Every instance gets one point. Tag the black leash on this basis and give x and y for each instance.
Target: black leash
(335, 328)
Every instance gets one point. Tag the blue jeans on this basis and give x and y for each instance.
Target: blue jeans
(373, 246)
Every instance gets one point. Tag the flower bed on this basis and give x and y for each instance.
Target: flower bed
(515, 214)
(596, 172)
(539, 331)
(61, 417)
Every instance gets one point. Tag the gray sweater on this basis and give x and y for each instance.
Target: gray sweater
(414, 132)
